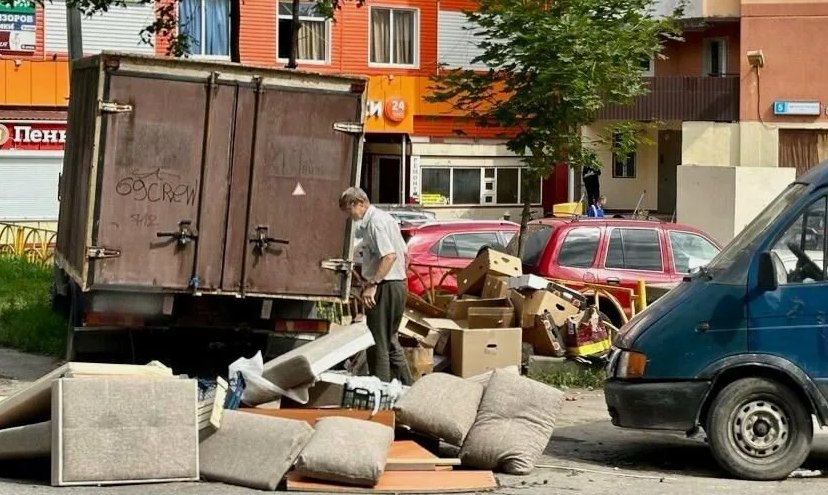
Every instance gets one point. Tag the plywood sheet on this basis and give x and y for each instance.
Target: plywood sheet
(408, 455)
(406, 482)
(33, 403)
(383, 416)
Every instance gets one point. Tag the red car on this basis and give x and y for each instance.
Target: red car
(438, 247)
(615, 252)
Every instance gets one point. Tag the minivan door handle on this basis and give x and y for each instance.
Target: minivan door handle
(613, 280)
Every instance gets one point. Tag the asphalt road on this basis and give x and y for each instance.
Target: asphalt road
(586, 455)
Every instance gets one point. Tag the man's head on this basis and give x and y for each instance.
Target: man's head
(354, 202)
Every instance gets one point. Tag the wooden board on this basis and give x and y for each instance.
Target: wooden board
(406, 482)
(383, 416)
(34, 403)
(403, 452)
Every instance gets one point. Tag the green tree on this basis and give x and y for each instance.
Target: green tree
(167, 24)
(551, 65)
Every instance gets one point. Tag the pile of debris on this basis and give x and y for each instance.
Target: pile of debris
(497, 314)
(319, 429)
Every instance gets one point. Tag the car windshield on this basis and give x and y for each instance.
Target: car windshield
(730, 266)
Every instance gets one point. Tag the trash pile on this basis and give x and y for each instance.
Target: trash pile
(319, 427)
(497, 312)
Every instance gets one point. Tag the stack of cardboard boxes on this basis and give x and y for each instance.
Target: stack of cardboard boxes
(496, 311)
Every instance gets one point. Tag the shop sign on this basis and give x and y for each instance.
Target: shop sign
(17, 29)
(32, 136)
(414, 176)
(393, 109)
(796, 108)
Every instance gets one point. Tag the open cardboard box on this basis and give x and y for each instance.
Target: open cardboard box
(471, 279)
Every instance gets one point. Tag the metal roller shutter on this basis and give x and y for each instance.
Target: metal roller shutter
(29, 185)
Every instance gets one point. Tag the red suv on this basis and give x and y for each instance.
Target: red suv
(438, 247)
(616, 252)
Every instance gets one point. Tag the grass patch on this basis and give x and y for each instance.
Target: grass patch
(27, 323)
(571, 377)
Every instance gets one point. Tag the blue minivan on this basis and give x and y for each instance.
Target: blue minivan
(740, 347)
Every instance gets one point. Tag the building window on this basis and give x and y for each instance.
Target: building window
(475, 186)
(207, 23)
(393, 36)
(623, 167)
(647, 67)
(714, 57)
(314, 33)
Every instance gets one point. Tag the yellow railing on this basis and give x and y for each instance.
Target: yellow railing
(36, 244)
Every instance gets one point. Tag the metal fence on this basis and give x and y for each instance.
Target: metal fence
(35, 244)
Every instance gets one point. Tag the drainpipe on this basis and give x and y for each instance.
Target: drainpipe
(570, 184)
(403, 181)
(74, 37)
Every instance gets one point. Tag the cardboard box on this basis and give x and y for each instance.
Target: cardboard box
(420, 360)
(541, 301)
(470, 280)
(414, 326)
(421, 305)
(491, 317)
(444, 326)
(495, 287)
(480, 350)
(544, 339)
(459, 309)
(442, 300)
(525, 282)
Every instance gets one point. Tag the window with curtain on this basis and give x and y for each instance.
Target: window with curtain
(207, 23)
(313, 33)
(393, 36)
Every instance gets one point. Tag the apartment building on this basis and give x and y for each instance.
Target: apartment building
(415, 151)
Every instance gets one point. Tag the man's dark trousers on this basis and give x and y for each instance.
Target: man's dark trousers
(387, 355)
(593, 188)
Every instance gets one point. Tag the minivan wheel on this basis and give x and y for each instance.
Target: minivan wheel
(758, 429)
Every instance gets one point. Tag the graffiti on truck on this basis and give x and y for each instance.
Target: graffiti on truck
(157, 186)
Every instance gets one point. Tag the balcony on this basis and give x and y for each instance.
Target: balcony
(684, 98)
(700, 9)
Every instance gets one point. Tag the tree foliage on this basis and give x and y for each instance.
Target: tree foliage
(552, 64)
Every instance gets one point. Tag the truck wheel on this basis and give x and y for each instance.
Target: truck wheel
(758, 429)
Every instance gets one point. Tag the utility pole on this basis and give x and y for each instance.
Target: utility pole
(74, 37)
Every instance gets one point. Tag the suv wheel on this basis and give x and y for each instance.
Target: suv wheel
(758, 429)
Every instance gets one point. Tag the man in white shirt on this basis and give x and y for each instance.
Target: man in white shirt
(385, 291)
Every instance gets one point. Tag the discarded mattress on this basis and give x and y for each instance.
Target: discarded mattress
(26, 442)
(114, 430)
(295, 371)
(253, 450)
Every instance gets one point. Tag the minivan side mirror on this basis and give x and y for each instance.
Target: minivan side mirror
(767, 273)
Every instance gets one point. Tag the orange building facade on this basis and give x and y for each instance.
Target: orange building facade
(415, 151)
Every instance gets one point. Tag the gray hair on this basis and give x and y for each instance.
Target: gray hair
(351, 196)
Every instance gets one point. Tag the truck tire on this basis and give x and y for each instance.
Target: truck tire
(758, 429)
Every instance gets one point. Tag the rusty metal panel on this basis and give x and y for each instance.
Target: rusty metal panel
(685, 98)
(75, 186)
(300, 167)
(152, 182)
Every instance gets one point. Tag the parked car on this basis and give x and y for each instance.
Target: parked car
(617, 252)
(438, 247)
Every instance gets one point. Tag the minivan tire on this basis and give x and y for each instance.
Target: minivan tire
(759, 429)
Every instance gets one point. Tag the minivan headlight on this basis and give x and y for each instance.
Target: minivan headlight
(626, 364)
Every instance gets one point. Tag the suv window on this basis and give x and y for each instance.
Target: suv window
(690, 250)
(466, 245)
(578, 248)
(634, 249)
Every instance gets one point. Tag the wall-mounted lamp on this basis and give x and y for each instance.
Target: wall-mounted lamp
(756, 58)
(18, 62)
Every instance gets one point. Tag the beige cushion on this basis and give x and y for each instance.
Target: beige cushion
(440, 405)
(514, 423)
(252, 450)
(346, 450)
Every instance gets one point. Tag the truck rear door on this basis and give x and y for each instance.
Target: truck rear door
(291, 223)
(162, 181)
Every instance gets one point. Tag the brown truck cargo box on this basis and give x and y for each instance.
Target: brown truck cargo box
(184, 176)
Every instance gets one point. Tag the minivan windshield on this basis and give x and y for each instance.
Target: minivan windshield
(731, 265)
